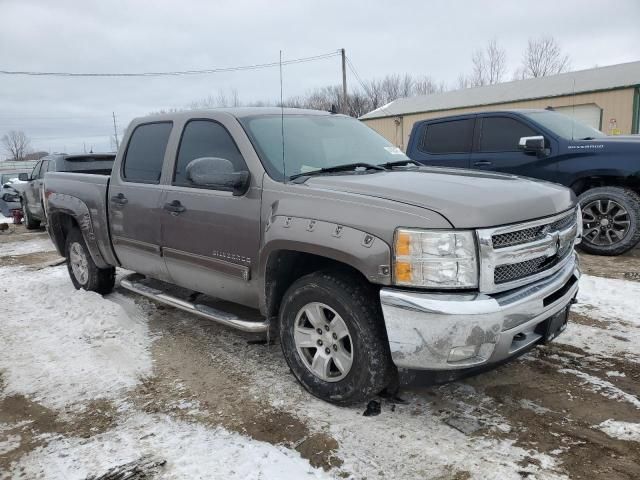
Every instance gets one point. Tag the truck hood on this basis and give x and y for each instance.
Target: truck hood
(466, 198)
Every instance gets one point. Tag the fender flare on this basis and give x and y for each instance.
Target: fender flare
(63, 204)
(364, 252)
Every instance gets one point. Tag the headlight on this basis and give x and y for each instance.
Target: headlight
(435, 259)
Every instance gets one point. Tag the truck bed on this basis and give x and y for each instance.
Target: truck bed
(84, 197)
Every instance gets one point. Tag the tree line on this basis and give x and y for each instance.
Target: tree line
(542, 57)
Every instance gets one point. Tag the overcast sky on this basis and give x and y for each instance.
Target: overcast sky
(381, 37)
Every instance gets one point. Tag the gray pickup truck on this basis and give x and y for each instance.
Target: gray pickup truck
(367, 267)
(31, 192)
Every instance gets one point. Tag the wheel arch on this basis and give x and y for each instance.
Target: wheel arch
(66, 212)
(594, 180)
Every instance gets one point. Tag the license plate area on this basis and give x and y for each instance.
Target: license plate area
(554, 325)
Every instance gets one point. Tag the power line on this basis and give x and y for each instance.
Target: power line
(355, 74)
(174, 73)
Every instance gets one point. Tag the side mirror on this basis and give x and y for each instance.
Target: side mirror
(217, 173)
(532, 144)
(23, 177)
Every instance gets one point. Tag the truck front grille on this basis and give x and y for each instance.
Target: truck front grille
(532, 234)
(516, 271)
(514, 255)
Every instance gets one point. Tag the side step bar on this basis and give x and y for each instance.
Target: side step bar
(130, 283)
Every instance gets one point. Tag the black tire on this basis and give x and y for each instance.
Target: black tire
(29, 222)
(595, 236)
(356, 302)
(100, 280)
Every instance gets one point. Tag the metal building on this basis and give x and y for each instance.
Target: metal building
(607, 98)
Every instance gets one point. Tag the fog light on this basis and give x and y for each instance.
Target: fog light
(467, 352)
(457, 354)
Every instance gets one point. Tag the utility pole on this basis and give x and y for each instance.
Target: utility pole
(115, 130)
(345, 107)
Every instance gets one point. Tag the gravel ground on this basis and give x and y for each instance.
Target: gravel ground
(91, 387)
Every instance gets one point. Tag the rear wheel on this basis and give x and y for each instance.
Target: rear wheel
(29, 222)
(333, 337)
(610, 220)
(82, 269)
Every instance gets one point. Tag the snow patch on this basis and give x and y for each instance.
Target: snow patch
(621, 430)
(10, 443)
(609, 299)
(26, 246)
(603, 387)
(62, 346)
(190, 450)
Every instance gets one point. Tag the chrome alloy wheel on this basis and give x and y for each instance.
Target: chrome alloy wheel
(605, 222)
(79, 263)
(323, 342)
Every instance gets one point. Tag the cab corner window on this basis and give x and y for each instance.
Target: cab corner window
(502, 134)
(454, 136)
(145, 153)
(205, 139)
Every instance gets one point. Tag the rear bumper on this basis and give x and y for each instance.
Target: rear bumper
(439, 331)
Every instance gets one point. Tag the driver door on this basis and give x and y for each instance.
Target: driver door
(210, 237)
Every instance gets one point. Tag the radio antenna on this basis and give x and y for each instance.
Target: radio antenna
(284, 172)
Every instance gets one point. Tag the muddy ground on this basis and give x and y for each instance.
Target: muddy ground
(243, 384)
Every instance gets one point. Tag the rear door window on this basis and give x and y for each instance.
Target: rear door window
(502, 134)
(453, 136)
(205, 138)
(145, 152)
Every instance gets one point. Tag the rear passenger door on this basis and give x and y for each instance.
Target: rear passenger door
(211, 237)
(444, 143)
(135, 194)
(496, 148)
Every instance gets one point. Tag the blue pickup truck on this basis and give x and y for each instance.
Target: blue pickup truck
(603, 171)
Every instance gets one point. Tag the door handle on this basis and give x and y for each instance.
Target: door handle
(174, 207)
(119, 199)
(482, 163)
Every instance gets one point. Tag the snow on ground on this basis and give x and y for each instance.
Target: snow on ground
(603, 387)
(191, 451)
(61, 346)
(609, 299)
(621, 430)
(4, 219)
(615, 303)
(26, 246)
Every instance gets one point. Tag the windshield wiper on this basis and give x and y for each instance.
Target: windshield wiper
(588, 138)
(337, 168)
(399, 163)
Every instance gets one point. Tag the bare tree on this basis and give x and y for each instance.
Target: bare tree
(463, 81)
(16, 144)
(489, 65)
(543, 57)
(426, 85)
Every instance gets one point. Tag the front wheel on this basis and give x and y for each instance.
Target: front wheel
(82, 269)
(610, 220)
(333, 337)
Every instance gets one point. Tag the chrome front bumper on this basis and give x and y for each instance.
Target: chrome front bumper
(440, 331)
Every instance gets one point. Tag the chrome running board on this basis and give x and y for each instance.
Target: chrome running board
(130, 282)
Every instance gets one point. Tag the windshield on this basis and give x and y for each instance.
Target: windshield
(312, 142)
(564, 126)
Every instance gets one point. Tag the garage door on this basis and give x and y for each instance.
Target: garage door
(589, 113)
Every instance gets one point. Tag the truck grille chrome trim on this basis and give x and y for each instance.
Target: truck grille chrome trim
(531, 234)
(514, 255)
